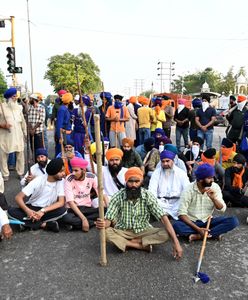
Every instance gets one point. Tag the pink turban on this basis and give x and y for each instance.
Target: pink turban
(78, 162)
(182, 101)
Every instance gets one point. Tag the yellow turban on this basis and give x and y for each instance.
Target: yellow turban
(67, 98)
(114, 153)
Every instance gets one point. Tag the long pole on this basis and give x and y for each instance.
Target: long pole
(12, 20)
(103, 258)
(30, 51)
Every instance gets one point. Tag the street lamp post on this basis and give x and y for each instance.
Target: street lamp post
(170, 74)
(30, 51)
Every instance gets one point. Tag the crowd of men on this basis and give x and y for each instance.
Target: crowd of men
(145, 176)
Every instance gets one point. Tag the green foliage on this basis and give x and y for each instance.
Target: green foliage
(62, 74)
(216, 81)
(147, 93)
(3, 84)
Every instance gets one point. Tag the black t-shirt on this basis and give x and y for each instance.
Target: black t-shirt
(184, 114)
(206, 116)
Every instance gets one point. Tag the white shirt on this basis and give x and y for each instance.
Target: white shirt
(43, 193)
(35, 171)
(167, 186)
(3, 218)
(1, 184)
(109, 185)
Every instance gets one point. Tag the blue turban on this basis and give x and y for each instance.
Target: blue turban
(106, 95)
(159, 130)
(69, 141)
(41, 151)
(197, 103)
(10, 93)
(86, 100)
(167, 154)
(204, 171)
(171, 148)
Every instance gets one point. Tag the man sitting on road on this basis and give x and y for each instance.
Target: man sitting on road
(37, 169)
(46, 202)
(5, 229)
(130, 209)
(197, 203)
(78, 185)
(167, 183)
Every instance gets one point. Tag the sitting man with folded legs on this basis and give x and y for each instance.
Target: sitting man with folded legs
(81, 214)
(130, 210)
(198, 200)
(46, 202)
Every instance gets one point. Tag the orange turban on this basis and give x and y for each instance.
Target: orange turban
(241, 98)
(133, 172)
(67, 98)
(128, 141)
(143, 100)
(133, 99)
(114, 153)
(165, 103)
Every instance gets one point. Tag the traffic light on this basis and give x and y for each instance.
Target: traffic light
(11, 59)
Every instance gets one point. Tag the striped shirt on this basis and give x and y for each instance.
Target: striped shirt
(37, 115)
(133, 215)
(198, 206)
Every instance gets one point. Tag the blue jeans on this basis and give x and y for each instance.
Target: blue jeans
(182, 132)
(12, 159)
(207, 136)
(144, 133)
(192, 133)
(218, 226)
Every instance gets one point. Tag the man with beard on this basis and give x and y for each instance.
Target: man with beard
(12, 132)
(46, 200)
(130, 209)
(113, 173)
(167, 183)
(236, 182)
(36, 122)
(197, 203)
(130, 158)
(117, 114)
(38, 169)
(78, 185)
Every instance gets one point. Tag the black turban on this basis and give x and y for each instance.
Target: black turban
(54, 166)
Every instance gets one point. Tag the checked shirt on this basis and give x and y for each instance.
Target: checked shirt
(36, 115)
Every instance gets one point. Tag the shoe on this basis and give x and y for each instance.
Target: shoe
(5, 178)
(52, 226)
(68, 227)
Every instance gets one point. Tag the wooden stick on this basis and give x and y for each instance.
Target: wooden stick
(203, 244)
(103, 259)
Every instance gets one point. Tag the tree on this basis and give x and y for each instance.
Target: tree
(147, 93)
(62, 75)
(3, 84)
(228, 82)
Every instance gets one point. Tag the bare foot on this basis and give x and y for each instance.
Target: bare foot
(194, 237)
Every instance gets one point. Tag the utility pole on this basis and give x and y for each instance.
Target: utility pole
(138, 85)
(30, 51)
(169, 66)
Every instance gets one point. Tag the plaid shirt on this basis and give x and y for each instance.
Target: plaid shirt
(36, 115)
(131, 215)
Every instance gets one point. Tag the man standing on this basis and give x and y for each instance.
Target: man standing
(167, 183)
(12, 132)
(130, 209)
(46, 202)
(169, 112)
(197, 203)
(36, 123)
(117, 114)
(205, 117)
(145, 118)
(181, 117)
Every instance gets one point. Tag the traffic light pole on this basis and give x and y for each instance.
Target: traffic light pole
(12, 20)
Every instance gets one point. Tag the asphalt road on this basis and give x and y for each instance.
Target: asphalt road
(45, 265)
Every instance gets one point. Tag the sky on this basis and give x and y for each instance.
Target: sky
(127, 38)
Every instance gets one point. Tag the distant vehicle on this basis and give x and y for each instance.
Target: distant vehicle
(220, 117)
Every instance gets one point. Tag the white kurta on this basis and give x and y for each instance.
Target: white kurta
(109, 185)
(3, 218)
(12, 140)
(167, 186)
(130, 124)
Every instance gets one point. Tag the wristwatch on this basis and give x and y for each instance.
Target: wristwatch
(43, 210)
